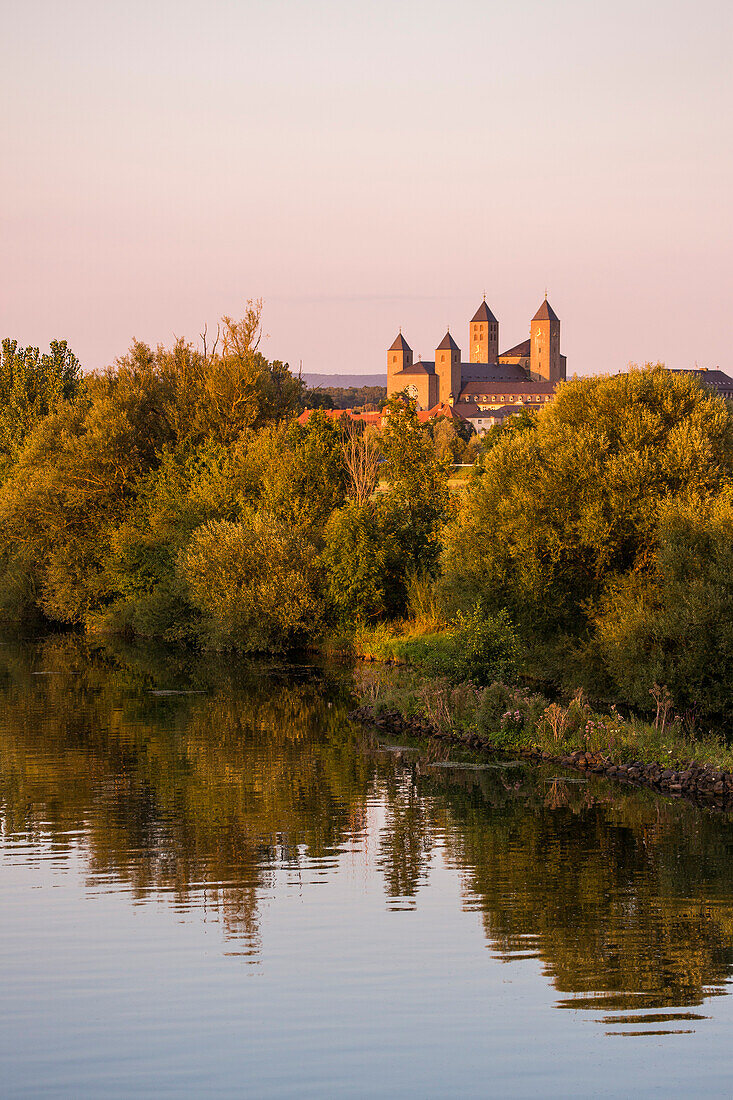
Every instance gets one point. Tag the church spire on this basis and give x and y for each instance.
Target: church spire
(483, 335)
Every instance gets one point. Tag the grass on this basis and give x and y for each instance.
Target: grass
(457, 480)
(511, 717)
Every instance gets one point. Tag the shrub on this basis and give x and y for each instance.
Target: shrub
(671, 623)
(560, 512)
(486, 646)
(253, 583)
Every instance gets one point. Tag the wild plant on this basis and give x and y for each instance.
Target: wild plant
(434, 699)
(663, 699)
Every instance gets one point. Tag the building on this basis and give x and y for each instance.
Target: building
(718, 380)
(491, 385)
(378, 419)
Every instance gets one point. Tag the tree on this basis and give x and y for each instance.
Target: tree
(418, 498)
(254, 581)
(33, 385)
(670, 621)
(362, 457)
(364, 572)
(562, 510)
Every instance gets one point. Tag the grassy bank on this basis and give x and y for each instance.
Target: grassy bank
(421, 683)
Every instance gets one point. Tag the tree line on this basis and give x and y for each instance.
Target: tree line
(175, 495)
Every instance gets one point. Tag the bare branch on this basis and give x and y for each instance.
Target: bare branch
(361, 457)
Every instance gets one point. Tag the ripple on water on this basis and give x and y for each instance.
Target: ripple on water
(183, 830)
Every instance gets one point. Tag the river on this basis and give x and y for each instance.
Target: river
(212, 883)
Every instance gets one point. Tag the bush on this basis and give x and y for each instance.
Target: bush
(560, 512)
(486, 646)
(672, 623)
(508, 715)
(254, 584)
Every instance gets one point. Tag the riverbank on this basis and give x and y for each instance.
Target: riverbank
(396, 693)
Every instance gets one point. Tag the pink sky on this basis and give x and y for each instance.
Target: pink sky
(365, 166)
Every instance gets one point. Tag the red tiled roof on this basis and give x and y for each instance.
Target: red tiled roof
(376, 418)
(336, 414)
(441, 409)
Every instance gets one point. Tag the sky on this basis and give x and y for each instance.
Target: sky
(366, 166)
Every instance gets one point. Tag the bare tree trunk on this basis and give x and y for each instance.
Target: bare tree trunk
(362, 455)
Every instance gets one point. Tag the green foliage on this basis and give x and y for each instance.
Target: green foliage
(450, 441)
(317, 399)
(31, 386)
(672, 622)
(487, 646)
(561, 511)
(316, 469)
(253, 582)
(345, 397)
(418, 497)
(476, 648)
(176, 495)
(373, 549)
(514, 718)
(525, 420)
(364, 575)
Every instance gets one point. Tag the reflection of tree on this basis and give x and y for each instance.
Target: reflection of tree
(209, 795)
(600, 886)
(406, 839)
(178, 793)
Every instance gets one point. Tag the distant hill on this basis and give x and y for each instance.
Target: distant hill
(344, 381)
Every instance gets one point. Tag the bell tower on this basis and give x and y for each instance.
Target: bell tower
(545, 362)
(399, 357)
(448, 369)
(483, 335)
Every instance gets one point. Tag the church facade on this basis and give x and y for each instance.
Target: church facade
(491, 385)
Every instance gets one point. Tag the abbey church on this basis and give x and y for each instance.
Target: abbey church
(492, 385)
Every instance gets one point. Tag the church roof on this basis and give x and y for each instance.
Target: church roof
(447, 344)
(493, 373)
(518, 350)
(417, 368)
(483, 313)
(400, 344)
(500, 386)
(545, 313)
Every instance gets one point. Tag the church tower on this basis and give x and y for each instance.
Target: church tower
(545, 363)
(483, 335)
(399, 357)
(448, 369)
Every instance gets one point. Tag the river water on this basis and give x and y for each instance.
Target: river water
(211, 883)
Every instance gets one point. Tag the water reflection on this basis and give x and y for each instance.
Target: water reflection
(215, 785)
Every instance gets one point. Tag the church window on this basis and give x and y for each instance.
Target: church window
(394, 358)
